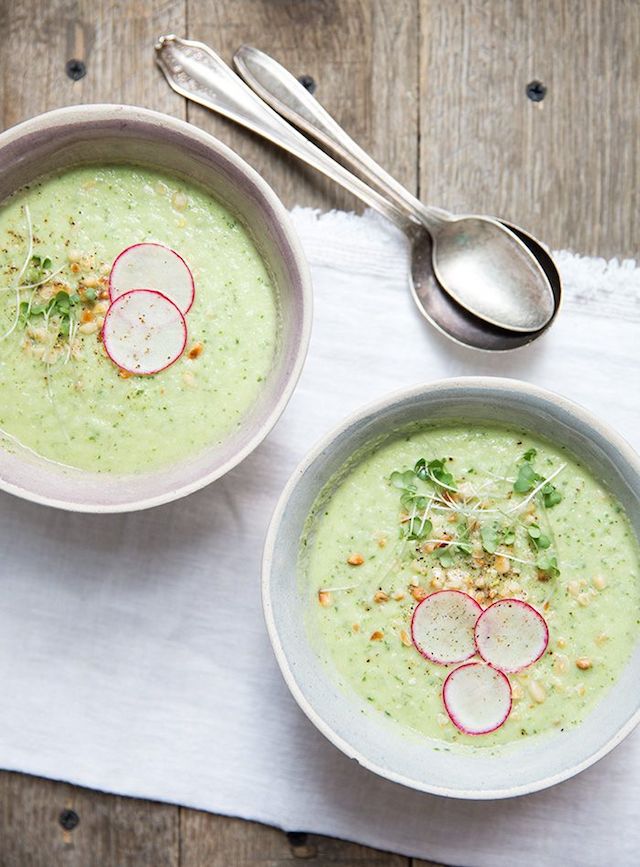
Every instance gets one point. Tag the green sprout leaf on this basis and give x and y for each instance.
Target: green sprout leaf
(490, 538)
(551, 496)
(435, 471)
(527, 479)
(548, 564)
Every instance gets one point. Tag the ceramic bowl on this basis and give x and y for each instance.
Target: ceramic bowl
(346, 720)
(125, 134)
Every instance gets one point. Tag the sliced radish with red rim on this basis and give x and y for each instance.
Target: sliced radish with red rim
(153, 266)
(144, 332)
(511, 635)
(477, 698)
(442, 626)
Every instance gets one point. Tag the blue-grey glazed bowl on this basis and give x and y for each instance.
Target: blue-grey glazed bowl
(87, 134)
(350, 723)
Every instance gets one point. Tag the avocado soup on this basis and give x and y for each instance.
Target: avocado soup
(496, 515)
(61, 396)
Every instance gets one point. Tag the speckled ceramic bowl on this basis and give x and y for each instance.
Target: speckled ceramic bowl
(125, 134)
(350, 723)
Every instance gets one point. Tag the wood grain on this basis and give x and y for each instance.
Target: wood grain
(114, 40)
(112, 831)
(220, 842)
(566, 168)
(363, 55)
(436, 91)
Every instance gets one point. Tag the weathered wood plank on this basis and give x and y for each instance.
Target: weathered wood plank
(363, 55)
(38, 827)
(566, 167)
(221, 842)
(114, 41)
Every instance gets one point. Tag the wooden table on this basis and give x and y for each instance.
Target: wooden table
(446, 94)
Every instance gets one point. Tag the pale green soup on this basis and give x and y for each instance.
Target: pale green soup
(380, 538)
(60, 395)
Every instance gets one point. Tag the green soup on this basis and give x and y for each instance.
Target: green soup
(478, 516)
(60, 395)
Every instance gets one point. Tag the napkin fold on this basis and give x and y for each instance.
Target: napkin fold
(133, 654)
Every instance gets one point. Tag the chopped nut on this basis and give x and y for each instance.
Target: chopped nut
(537, 691)
(355, 560)
(419, 593)
(378, 635)
(90, 282)
(584, 663)
(196, 350)
(560, 663)
(601, 639)
(189, 379)
(380, 596)
(324, 598)
(100, 307)
(501, 564)
(436, 583)
(88, 328)
(573, 588)
(405, 638)
(583, 599)
(179, 200)
(382, 542)
(414, 581)
(356, 627)
(86, 316)
(75, 268)
(428, 547)
(74, 255)
(516, 691)
(599, 582)
(398, 595)
(124, 374)
(561, 642)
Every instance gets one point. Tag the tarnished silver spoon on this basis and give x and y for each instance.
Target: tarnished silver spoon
(195, 71)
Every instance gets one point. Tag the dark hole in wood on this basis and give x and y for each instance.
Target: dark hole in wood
(297, 838)
(69, 819)
(536, 91)
(308, 83)
(75, 69)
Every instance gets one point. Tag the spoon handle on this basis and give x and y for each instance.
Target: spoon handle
(198, 73)
(284, 93)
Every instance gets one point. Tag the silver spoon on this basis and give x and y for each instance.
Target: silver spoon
(196, 72)
(284, 93)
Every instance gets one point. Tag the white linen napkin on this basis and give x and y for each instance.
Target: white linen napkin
(133, 654)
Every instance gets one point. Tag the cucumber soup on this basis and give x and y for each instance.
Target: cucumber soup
(542, 560)
(63, 394)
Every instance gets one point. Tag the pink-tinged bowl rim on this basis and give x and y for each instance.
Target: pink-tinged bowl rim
(27, 151)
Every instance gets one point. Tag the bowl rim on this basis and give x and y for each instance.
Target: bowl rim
(477, 384)
(86, 112)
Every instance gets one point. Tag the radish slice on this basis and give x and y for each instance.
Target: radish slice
(153, 266)
(511, 635)
(442, 626)
(477, 698)
(144, 332)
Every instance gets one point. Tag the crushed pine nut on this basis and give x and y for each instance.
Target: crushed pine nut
(414, 581)
(419, 593)
(561, 642)
(377, 635)
(189, 379)
(583, 599)
(74, 255)
(501, 564)
(88, 328)
(581, 689)
(195, 351)
(516, 691)
(355, 627)
(324, 598)
(537, 691)
(560, 663)
(86, 316)
(179, 200)
(599, 582)
(398, 595)
(75, 268)
(584, 663)
(405, 638)
(601, 639)
(124, 374)
(380, 596)
(90, 282)
(355, 560)
(382, 542)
